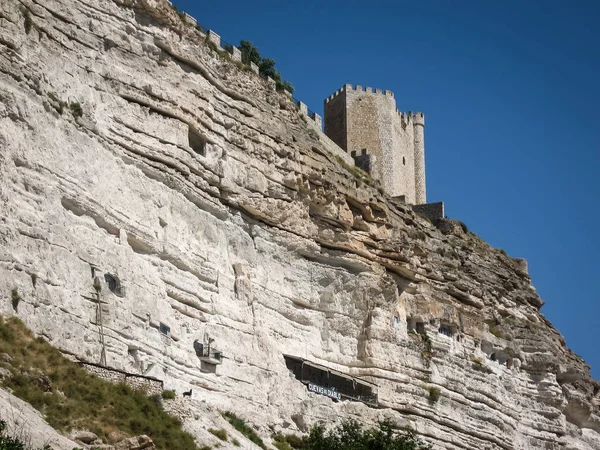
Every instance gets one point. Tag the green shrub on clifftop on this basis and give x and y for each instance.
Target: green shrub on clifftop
(266, 66)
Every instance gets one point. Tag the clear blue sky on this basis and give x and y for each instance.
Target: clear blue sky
(511, 94)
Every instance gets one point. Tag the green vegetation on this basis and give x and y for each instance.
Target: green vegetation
(282, 445)
(59, 105)
(221, 433)
(479, 365)
(223, 53)
(15, 298)
(240, 425)
(350, 435)
(464, 227)
(360, 175)
(168, 395)
(10, 443)
(357, 172)
(70, 397)
(179, 12)
(235, 442)
(434, 394)
(76, 110)
(266, 66)
(288, 441)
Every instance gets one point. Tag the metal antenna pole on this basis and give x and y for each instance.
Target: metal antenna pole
(98, 288)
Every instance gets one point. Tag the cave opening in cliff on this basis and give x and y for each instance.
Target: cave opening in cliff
(196, 142)
(446, 330)
(114, 285)
(414, 325)
(331, 383)
(164, 329)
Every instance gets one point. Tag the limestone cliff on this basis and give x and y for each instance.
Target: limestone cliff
(129, 147)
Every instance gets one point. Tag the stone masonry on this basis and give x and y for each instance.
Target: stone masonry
(149, 385)
(363, 121)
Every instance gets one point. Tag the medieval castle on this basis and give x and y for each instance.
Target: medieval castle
(384, 142)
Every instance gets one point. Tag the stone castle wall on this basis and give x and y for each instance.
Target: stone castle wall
(335, 118)
(402, 163)
(419, 152)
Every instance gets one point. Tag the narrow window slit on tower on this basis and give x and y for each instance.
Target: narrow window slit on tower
(403, 160)
(196, 142)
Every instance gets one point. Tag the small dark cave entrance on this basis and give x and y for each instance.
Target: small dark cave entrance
(196, 142)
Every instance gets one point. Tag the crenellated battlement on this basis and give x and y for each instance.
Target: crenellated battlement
(416, 118)
(359, 88)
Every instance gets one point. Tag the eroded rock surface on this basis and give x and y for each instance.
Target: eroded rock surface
(26, 424)
(129, 148)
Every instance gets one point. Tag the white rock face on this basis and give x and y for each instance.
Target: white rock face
(201, 192)
(26, 424)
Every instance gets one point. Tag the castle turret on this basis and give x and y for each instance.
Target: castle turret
(419, 148)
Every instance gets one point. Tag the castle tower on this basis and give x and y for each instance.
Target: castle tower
(419, 143)
(383, 141)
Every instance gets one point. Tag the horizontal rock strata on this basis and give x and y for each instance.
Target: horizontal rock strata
(134, 154)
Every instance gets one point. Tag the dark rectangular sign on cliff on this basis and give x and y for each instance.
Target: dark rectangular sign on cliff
(331, 383)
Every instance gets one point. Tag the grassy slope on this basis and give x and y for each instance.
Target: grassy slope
(69, 397)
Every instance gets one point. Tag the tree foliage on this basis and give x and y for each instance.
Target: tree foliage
(249, 53)
(350, 435)
(266, 66)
